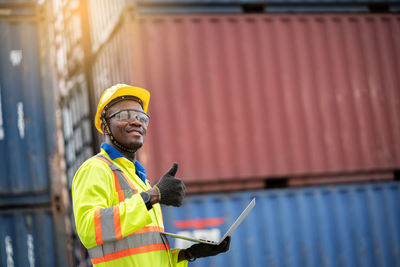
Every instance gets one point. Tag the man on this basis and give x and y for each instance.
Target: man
(117, 213)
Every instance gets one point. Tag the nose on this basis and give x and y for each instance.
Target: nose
(135, 121)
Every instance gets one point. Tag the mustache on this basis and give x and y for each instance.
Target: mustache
(136, 129)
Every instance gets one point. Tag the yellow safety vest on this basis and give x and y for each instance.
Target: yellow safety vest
(112, 220)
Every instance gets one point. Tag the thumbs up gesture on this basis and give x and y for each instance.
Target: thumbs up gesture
(171, 189)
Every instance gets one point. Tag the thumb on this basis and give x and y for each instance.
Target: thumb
(173, 169)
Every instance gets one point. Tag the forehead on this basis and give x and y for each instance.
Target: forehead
(125, 104)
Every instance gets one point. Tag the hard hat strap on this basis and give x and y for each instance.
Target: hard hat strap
(113, 140)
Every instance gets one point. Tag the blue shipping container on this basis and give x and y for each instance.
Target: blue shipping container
(213, 2)
(26, 114)
(345, 225)
(27, 238)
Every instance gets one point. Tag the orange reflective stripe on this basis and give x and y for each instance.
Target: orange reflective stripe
(147, 229)
(117, 185)
(121, 195)
(128, 252)
(118, 188)
(117, 223)
(104, 160)
(97, 227)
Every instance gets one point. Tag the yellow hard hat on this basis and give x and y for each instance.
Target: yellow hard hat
(116, 91)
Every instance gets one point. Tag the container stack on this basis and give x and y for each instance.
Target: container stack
(342, 225)
(245, 100)
(70, 44)
(249, 96)
(71, 61)
(34, 230)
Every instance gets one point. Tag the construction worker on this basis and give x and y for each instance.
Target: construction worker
(117, 213)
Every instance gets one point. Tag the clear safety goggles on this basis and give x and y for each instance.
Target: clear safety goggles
(128, 114)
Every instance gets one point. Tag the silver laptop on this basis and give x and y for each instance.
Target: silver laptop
(228, 233)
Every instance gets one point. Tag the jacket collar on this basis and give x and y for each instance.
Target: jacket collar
(113, 154)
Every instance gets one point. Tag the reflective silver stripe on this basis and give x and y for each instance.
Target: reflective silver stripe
(114, 246)
(96, 252)
(131, 241)
(125, 187)
(128, 193)
(107, 224)
(122, 181)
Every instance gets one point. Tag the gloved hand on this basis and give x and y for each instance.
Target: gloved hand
(200, 250)
(171, 190)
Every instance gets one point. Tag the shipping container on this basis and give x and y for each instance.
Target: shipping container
(70, 44)
(33, 185)
(27, 123)
(262, 6)
(29, 238)
(220, 2)
(347, 225)
(16, 3)
(71, 49)
(106, 16)
(240, 99)
(300, 7)
(69, 30)
(77, 125)
(103, 18)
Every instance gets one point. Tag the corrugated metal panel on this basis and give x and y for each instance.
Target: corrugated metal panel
(70, 43)
(103, 17)
(17, 2)
(31, 163)
(76, 126)
(185, 9)
(112, 64)
(213, 2)
(264, 95)
(27, 239)
(353, 225)
(334, 8)
(175, 8)
(22, 117)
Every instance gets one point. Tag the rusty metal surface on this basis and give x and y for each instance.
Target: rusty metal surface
(249, 97)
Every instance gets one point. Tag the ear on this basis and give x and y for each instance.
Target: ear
(103, 128)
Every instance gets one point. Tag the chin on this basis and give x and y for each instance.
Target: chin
(135, 145)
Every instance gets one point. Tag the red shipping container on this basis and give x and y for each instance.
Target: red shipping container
(241, 98)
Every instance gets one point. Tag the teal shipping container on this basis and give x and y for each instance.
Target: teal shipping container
(347, 225)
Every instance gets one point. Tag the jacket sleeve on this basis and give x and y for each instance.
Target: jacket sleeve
(97, 219)
(175, 253)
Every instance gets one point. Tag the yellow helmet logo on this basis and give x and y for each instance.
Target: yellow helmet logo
(117, 91)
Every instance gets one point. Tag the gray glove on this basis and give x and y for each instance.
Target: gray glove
(200, 250)
(171, 190)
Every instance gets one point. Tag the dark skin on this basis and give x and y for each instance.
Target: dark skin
(130, 134)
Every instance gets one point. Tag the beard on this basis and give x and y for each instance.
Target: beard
(134, 145)
(130, 145)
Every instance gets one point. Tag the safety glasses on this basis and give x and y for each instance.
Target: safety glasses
(128, 114)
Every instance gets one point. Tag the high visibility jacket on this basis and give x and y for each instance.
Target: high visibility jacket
(112, 220)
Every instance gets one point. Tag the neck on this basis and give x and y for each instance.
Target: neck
(127, 155)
